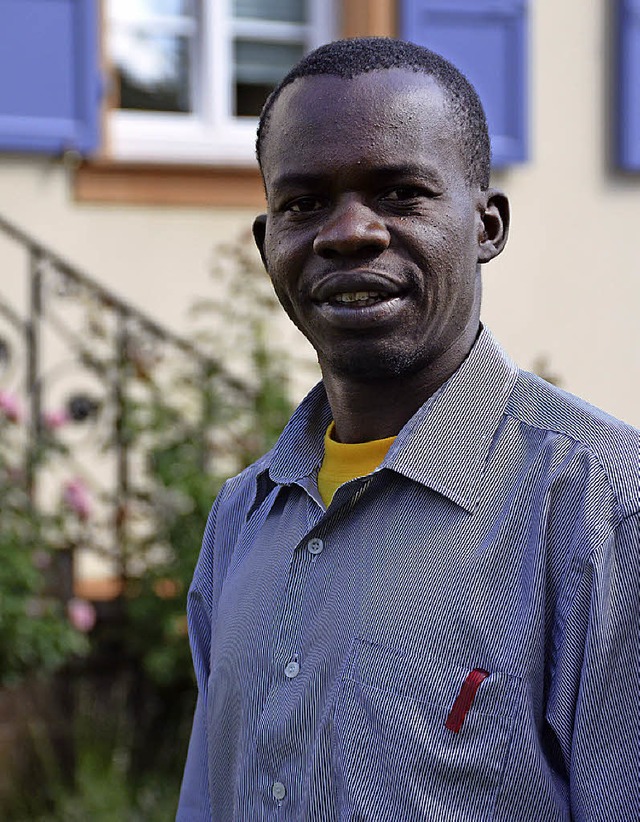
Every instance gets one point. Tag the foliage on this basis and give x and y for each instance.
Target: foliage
(100, 788)
(36, 634)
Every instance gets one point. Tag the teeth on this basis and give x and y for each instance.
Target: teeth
(357, 296)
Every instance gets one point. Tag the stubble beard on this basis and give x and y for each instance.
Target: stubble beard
(370, 367)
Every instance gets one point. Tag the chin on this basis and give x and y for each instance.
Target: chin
(372, 367)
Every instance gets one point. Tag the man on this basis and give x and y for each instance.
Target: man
(422, 604)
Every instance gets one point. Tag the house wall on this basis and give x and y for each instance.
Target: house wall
(567, 288)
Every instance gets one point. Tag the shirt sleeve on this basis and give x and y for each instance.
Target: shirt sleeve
(594, 704)
(194, 804)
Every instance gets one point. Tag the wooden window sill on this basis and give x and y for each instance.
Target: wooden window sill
(102, 181)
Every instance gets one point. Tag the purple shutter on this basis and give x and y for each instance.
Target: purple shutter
(628, 113)
(487, 41)
(50, 84)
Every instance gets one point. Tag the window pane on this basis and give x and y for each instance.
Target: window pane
(137, 9)
(154, 70)
(259, 67)
(290, 11)
(257, 62)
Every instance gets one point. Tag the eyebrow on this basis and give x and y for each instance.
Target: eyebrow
(417, 170)
(414, 170)
(297, 180)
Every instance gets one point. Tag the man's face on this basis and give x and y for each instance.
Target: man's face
(373, 232)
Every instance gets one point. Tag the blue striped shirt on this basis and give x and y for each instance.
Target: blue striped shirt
(342, 654)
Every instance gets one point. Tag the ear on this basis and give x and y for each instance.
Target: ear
(494, 228)
(259, 232)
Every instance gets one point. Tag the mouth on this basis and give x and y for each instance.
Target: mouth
(355, 289)
(357, 299)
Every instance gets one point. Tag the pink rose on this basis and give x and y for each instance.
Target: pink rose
(82, 614)
(76, 496)
(55, 419)
(11, 406)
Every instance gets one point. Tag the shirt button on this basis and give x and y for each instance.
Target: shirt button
(315, 546)
(292, 669)
(278, 790)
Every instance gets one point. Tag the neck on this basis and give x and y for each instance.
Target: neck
(378, 408)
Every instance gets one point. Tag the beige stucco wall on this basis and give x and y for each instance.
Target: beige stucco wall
(567, 287)
(157, 257)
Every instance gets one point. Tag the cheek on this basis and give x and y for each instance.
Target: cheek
(461, 251)
(280, 289)
(285, 260)
(283, 288)
(280, 251)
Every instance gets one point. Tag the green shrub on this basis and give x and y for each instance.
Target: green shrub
(36, 635)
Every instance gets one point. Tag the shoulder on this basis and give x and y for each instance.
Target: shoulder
(239, 492)
(612, 444)
(226, 520)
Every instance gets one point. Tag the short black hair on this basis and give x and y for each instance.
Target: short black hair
(360, 55)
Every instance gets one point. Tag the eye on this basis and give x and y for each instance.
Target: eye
(403, 194)
(304, 205)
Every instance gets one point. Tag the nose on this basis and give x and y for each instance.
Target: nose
(352, 228)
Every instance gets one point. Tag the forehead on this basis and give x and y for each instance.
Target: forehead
(388, 114)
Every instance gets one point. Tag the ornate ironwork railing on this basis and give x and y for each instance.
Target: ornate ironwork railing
(77, 363)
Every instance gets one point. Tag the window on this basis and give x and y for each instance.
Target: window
(191, 75)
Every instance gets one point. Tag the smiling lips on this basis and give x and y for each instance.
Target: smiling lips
(355, 290)
(357, 299)
(357, 310)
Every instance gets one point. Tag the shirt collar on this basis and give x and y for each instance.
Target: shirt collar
(444, 446)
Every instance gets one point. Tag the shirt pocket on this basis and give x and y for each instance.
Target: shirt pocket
(393, 757)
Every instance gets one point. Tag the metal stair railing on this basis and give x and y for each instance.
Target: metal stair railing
(128, 340)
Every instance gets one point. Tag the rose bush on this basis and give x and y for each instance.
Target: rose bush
(36, 634)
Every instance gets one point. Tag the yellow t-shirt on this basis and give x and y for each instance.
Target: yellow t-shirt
(344, 461)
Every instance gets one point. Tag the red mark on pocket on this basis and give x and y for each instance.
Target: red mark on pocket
(464, 700)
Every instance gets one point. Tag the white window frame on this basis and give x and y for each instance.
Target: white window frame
(212, 135)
